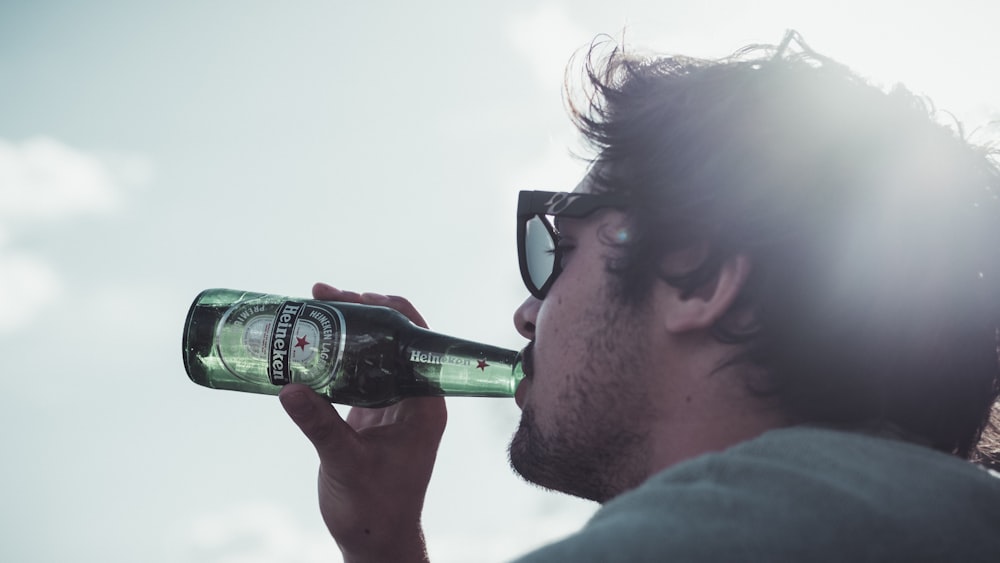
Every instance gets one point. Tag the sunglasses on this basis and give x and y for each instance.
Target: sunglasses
(538, 249)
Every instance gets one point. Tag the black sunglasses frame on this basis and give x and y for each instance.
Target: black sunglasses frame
(540, 204)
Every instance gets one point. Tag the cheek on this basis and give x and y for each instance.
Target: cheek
(560, 342)
(555, 326)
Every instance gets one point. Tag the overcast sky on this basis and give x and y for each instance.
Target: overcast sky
(149, 150)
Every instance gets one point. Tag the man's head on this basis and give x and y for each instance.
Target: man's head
(869, 233)
(617, 390)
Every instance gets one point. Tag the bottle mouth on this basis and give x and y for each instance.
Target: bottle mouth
(525, 360)
(199, 332)
(518, 369)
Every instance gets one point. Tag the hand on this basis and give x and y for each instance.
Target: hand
(375, 467)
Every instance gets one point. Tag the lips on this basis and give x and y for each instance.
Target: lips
(528, 359)
(528, 366)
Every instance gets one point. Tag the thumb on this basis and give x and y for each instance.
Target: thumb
(318, 420)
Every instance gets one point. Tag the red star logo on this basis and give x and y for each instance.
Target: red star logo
(483, 365)
(301, 342)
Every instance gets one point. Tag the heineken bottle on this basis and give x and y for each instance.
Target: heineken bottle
(353, 354)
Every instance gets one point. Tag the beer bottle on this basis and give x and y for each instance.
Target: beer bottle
(353, 354)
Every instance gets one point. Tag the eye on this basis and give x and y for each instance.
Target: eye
(562, 250)
(559, 245)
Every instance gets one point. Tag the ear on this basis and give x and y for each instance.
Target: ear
(709, 303)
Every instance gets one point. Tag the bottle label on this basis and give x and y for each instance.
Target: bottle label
(419, 356)
(299, 341)
(279, 362)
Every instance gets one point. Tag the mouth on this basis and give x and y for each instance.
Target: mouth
(527, 366)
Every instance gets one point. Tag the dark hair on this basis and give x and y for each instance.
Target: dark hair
(873, 230)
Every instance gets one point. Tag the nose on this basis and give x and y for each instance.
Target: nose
(525, 317)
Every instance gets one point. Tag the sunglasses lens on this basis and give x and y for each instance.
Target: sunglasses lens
(539, 251)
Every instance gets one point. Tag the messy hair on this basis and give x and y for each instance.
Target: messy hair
(872, 228)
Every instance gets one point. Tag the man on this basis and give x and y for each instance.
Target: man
(767, 330)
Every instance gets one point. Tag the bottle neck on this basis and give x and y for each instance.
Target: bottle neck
(460, 367)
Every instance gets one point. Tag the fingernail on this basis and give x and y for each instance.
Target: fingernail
(297, 403)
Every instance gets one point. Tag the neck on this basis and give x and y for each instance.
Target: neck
(689, 437)
(708, 413)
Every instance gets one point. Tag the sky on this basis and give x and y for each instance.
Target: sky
(149, 150)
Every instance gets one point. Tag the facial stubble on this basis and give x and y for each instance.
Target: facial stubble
(596, 449)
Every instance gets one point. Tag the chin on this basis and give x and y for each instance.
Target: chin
(560, 463)
(531, 458)
(523, 452)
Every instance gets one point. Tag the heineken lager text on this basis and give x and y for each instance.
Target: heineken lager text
(353, 354)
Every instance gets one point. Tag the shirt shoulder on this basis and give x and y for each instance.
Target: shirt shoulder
(800, 494)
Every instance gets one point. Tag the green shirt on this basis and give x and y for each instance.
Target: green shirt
(804, 495)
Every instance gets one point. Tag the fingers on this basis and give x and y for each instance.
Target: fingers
(402, 305)
(429, 412)
(319, 421)
(329, 293)
(427, 417)
(422, 418)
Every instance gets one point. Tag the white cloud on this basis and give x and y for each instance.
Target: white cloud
(42, 178)
(27, 284)
(43, 181)
(533, 529)
(547, 37)
(254, 532)
(559, 168)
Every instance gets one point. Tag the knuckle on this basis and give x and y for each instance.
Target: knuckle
(400, 302)
(318, 434)
(371, 297)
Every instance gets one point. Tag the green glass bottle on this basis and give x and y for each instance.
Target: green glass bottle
(353, 354)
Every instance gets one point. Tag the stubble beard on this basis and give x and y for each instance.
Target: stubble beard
(558, 465)
(597, 447)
